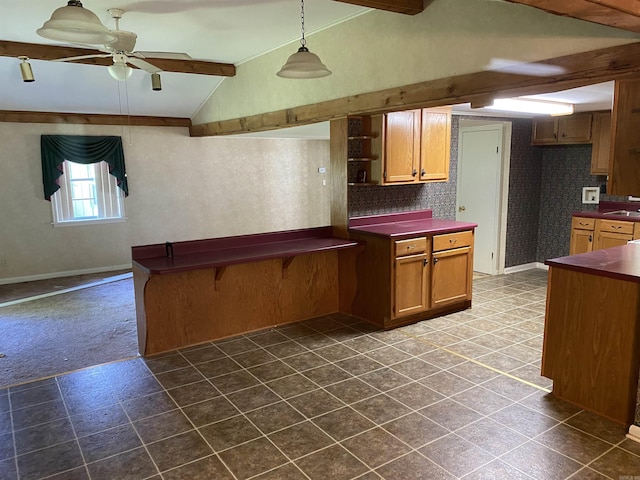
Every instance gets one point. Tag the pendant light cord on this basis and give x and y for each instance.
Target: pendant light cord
(303, 41)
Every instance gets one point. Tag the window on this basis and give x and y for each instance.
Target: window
(87, 194)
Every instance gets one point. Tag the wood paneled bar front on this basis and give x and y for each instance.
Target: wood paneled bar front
(195, 291)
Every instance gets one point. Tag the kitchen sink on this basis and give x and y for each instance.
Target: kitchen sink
(623, 213)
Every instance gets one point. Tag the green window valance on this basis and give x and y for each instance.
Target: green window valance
(84, 149)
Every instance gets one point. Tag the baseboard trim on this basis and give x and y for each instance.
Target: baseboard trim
(526, 266)
(68, 273)
(634, 433)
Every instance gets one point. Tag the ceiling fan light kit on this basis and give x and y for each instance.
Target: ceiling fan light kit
(75, 24)
(120, 70)
(25, 70)
(303, 63)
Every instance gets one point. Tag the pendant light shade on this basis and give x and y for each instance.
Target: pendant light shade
(75, 24)
(303, 63)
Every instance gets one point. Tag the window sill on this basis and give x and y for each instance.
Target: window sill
(75, 223)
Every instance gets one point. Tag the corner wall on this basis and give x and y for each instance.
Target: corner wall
(181, 188)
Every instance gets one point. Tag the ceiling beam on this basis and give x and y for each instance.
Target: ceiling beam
(408, 7)
(18, 116)
(37, 51)
(579, 70)
(613, 13)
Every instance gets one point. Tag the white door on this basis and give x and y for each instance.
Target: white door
(479, 191)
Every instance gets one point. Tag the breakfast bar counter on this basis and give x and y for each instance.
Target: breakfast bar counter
(195, 291)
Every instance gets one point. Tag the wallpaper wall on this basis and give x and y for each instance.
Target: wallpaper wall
(181, 188)
(565, 170)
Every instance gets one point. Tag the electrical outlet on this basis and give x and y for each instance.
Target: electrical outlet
(3, 263)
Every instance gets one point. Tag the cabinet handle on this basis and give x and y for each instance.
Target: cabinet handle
(424, 262)
(453, 240)
(409, 247)
(590, 239)
(617, 227)
(414, 173)
(423, 172)
(435, 260)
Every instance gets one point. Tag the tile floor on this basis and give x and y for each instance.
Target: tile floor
(331, 398)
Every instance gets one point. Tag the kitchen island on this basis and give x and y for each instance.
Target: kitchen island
(195, 291)
(413, 267)
(591, 345)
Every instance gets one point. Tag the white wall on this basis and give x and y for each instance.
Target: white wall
(379, 50)
(181, 188)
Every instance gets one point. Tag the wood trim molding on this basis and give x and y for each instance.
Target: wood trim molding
(579, 70)
(408, 7)
(91, 119)
(621, 14)
(37, 51)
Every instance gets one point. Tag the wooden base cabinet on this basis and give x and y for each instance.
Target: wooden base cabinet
(403, 281)
(582, 231)
(452, 271)
(411, 275)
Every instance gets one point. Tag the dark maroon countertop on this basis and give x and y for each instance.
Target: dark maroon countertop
(621, 262)
(605, 207)
(407, 224)
(221, 252)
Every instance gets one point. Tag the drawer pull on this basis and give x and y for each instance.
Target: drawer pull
(409, 247)
(584, 224)
(618, 227)
(453, 240)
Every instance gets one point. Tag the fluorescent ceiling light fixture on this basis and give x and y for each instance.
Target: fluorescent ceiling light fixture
(75, 24)
(528, 105)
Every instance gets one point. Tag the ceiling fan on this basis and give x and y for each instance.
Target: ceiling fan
(121, 50)
(74, 24)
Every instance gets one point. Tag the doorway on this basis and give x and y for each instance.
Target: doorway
(484, 149)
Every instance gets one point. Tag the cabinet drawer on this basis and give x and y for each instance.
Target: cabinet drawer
(452, 240)
(583, 223)
(411, 246)
(616, 226)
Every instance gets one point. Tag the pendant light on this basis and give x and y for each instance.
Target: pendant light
(75, 24)
(303, 63)
(25, 70)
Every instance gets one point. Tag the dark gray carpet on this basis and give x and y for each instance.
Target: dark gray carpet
(67, 332)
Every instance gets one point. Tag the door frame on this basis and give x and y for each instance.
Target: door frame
(502, 192)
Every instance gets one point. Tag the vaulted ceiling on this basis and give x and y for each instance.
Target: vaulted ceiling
(224, 33)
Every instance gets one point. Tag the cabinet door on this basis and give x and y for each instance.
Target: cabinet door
(574, 128)
(411, 291)
(545, 131)
(435, 144)
(451, 276)
(601, 143)
(624, 166)
(402, 147)
(610, 239)
(581, 241)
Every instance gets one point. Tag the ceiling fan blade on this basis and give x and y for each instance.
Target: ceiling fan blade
(167, 55)
(36, 51)
(82, 57)
(143, 65)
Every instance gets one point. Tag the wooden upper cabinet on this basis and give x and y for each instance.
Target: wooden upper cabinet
(435, 144)
(545, 131)
(624, 164)
(601, 134)
(565, 130)
(402, 147)
(414, 146)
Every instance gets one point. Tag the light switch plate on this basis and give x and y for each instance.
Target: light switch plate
(590, 194)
